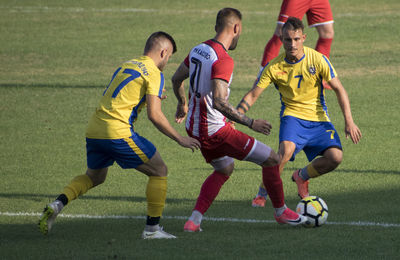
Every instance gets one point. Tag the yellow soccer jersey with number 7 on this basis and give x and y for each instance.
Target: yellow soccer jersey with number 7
(300, 84)
(124, 98)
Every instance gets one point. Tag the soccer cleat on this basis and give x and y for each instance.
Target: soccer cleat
(302, 185)
(47, 218)
(290, 217)
(191, 227)
(159, 234)
(258, 201)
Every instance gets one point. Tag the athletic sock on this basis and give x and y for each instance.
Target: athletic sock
(152, 228)
(262, 191)
(324, 46)
(271, 50)
(209, 191)
(57, 205)
(63, 198)
(279, 211)
(77, 187)
(273, 184)
(156, 193)
(308, 172)
(196, 217)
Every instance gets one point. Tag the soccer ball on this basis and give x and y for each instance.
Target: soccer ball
(315, 209)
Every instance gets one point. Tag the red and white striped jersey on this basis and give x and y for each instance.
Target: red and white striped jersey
(207, 61)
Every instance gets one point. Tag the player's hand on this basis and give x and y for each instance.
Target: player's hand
(162, 95)
(261, 126)
(189, 142)
(232, 124)
(181, 112)
(353, 132)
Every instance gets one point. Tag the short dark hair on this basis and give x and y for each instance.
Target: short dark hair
(294, 24)
(157, 36)
(224, 15)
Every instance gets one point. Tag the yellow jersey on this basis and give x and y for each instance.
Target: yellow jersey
(300, 84)
(124, 98)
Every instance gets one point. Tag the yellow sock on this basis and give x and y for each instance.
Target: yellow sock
(156, 193)
(312, 172)
(78, 186)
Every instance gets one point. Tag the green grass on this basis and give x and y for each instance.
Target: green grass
(57, 57)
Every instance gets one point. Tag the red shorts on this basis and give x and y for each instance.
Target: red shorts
(226, 142)
(318, 11)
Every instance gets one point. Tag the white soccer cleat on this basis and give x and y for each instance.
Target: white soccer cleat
(48, 217)
(159, 234)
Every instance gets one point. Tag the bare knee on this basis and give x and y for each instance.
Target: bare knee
(97, 176)
(228, 170)
(160, 170)
(272, 160)
(334, 156)
(326, 31)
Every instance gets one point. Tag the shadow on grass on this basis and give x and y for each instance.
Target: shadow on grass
(337, 170)
(55, 85)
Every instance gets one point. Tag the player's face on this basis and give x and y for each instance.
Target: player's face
(293, 43)
(235, 39)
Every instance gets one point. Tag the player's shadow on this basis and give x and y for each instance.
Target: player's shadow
(51, 197)
(336, 170)
(48, 85)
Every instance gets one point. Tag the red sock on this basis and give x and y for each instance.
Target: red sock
(209, 191)
(273, 184)
(324, 46)
(271, 50)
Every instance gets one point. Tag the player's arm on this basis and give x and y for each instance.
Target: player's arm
(351, 129)
(220, 103)
(250, 98)
(178, 79)
(157, 117)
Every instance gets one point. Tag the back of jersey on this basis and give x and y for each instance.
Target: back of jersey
(206, 61)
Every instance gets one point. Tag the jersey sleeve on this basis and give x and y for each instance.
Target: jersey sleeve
(155, 84)
(264, 79)
(222, 69)
(327, 71)
(186, 61)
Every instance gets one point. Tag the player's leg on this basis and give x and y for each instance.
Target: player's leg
(264, 156)
(98, 162)
(223, 168)
(286, 150)
(325, 142)
(326, 33)
(271, 49)
(296, 8)
(156, 193)
(329, 161)
(77, 187)
(320, 16)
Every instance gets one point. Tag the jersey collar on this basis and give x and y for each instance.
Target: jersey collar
(295, 61)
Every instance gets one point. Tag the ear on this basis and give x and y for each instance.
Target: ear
(236, 29)
(162, 53)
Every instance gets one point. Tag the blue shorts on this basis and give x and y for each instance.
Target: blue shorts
(311, 137)
(127, 152)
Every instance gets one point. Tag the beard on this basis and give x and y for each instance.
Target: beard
(234, 43)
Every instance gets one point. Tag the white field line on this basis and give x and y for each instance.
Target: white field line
(237, 220)
(36, 9)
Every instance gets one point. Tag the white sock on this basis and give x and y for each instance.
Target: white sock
(279, 211)
(196, 217)
(153, 228)
(57, 205)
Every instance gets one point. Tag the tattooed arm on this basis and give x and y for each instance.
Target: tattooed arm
(220, 103)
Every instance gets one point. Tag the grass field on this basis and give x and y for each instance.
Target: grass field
(56, 57)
